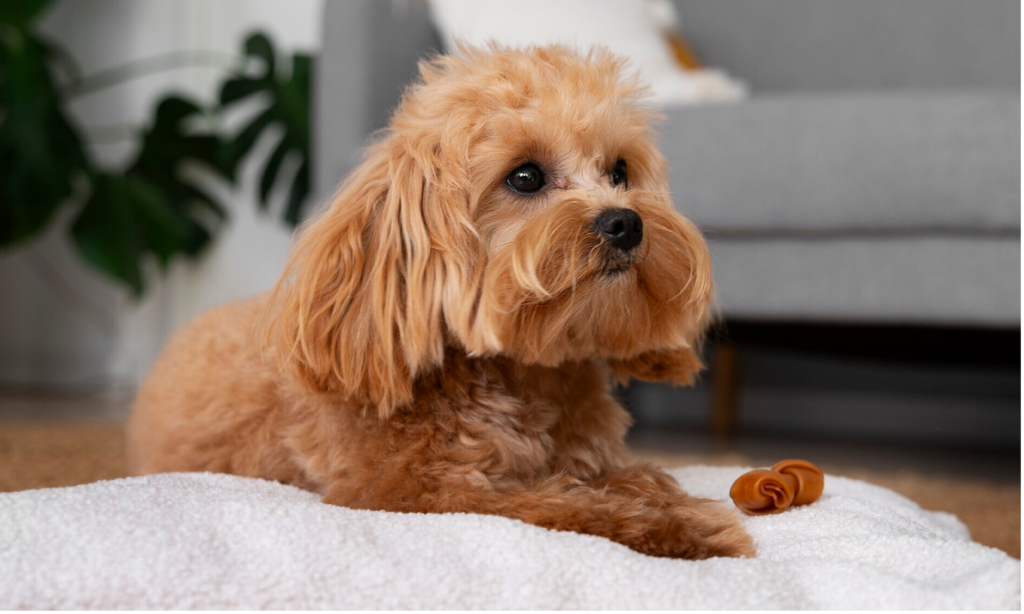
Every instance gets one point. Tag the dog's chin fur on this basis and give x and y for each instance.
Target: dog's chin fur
(544, 303)
(440, 342)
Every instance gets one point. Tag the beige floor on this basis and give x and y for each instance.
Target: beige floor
(52, 453)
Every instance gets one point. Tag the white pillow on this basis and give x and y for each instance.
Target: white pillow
(631, 28)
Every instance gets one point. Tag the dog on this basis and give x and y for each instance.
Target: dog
(445, 334)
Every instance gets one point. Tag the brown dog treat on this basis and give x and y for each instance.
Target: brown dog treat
(763, 491)
(770, 491)
(810, 481)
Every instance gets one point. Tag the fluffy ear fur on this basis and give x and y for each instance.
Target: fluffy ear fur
(358, 310)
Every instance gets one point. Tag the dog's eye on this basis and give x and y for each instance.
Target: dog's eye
(527, 178)
(619, 174)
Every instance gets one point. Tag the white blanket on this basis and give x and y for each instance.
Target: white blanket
(217, 541)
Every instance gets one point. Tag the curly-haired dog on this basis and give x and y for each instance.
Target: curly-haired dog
(447, 329)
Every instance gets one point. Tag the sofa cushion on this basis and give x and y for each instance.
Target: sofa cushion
(849, 162)
(941, 280)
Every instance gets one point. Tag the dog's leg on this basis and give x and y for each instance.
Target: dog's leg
(658, 489)
(689, 528)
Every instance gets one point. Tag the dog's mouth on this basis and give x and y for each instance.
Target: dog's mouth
(617, 262)
(614, 270)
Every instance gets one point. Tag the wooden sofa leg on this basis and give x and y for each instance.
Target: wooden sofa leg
(724, 388)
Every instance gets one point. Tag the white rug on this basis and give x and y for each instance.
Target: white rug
(220, 542)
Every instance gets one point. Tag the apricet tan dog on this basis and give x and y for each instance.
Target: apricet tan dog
(446, 331)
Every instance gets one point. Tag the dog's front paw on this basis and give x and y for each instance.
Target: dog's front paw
(692, 529)
(727, 537)
(674, 524)
(714, 529)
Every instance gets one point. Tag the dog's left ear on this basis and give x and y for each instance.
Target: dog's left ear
(359, 310)
(678, 367)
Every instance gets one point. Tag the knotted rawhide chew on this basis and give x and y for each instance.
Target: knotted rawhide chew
(770, 491)
(810, 481)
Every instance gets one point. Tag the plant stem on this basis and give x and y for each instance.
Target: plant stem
(128, 71)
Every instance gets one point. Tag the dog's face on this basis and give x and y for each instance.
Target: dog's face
(516, 207)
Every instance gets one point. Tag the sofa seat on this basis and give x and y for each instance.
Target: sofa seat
(913, 279)
(845, 161)
(893, 207)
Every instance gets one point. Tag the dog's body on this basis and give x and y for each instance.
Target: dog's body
(446, 338)
(506, 423)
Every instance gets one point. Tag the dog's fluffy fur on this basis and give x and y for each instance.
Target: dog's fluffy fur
(445, 344)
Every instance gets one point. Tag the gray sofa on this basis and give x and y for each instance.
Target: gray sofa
(872, 177)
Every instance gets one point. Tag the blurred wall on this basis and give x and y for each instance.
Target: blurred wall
(60, 322)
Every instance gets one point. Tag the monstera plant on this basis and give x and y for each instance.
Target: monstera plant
(155, 206)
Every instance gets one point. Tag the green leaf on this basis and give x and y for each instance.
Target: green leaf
(245, 139)
(195, 195)
(41, 152)
(170, 141)
(296, 97)
(196, 237)
(19, 13)
(270, 171)
(289, 110)
(172, 110)
(61, 58)
(259, 46)
(124, 219)
(156, 209)
(151, 210)
(298, 194)
(168, 147)
(239, 88)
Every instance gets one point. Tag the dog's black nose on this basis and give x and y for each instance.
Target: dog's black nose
(622, 227)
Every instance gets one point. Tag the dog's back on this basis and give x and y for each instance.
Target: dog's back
(208, 399)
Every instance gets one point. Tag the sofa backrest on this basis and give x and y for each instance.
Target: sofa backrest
(858, 44)
(371, 48)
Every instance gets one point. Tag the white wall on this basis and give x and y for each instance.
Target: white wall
(60, 322)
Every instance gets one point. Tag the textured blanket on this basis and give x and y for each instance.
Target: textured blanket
(217, 541)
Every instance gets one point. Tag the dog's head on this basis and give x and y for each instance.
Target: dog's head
(516, 206)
